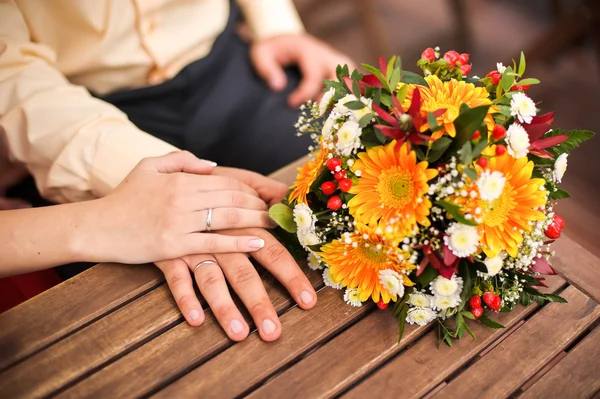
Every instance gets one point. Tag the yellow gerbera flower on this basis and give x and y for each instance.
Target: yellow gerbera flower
(505, 219)
(356, 259)
(450, 95)
(308, 174)
(391, 188)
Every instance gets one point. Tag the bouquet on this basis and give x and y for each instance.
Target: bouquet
(433, 194)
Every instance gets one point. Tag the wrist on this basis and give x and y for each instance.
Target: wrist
(85, 244)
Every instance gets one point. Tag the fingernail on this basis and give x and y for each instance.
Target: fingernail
(268, 326)
(256, 243)
(194, 315)
(306, 297)
(236, 326)
(211, 163)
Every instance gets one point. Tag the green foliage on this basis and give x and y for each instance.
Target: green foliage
(546, 297)
(355, 105)
(469, 120)
(463, 271)
(486, 321)
(428, 275)
(413, 78)
(522, 64)
(559, 193)
(576, 137)
(454, 211)
(438, 148)
(508, 79)
(284, 217)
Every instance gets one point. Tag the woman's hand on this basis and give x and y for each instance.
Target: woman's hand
(211, 274)
(161, 211)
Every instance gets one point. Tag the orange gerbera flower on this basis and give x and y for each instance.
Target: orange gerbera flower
(391, 188)
(356, 259)
(308, 174)
(450, 95)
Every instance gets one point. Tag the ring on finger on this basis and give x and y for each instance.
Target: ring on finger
(203, 263)
(209, 219)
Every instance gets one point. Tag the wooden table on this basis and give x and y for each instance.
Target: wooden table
(115, 332)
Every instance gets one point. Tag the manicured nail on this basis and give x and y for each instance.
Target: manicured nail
(256, 243)
(194, 315)
(268, 326)
(236, 326)
(306, 297)
(211, 163)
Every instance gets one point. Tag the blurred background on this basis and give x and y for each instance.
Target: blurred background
(560, 38)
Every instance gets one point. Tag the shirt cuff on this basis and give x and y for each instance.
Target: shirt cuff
(269, 18)
(118, 151)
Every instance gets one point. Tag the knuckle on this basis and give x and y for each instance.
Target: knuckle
(211, 243)
(274, 253)
(243, 275)
(186, 301)
(237, 199)
(296, 279)
(209, 280)
(232, 216)
(259, 307)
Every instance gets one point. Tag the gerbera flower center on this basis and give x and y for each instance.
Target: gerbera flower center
(396, 188)
(371, 253)
(497, 213)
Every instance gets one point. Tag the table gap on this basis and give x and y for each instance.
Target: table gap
(587, 332)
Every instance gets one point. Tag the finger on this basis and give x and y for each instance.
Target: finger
(268, 68)
(180, 283)
(270, 190)
(311, 83)
(228, 199)
(246, 282)
(180, 161)
(203, 243)
(218, 183)
(212, 285)
(228, 218)
(277, 260)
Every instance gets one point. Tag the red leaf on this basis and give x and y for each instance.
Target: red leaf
(542, 266)
(539, 126)
(400, 142)
(415, 105)
(449, 257)
(549, 141)
(541, 153)
(540, 282)
(382, 66)
(371, 80)
(439, 112)
(348, 82)
(448, 271)
(385, 116)
(422, 266)
(392, 132)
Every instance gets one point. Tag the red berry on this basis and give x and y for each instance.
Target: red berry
(495, 76)
(477, 312)
(334, 203)
(382, 305)
(463, 59)
(465, 69)
(488, 297)
(334, 163)
(496, 303)
(483, 162)
(520, 88)
(328, 188)
(560, 222)
(451, 57)
(345, 185)
(498, 132)
(500, 150)
(475, 301)
(428, 54)
(553, 231)
(340, 175)
(476, 135)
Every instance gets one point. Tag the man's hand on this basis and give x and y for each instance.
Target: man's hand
(316, 60)
(269, 190)
(242, 276)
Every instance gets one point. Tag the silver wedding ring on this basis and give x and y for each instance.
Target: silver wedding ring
(208, 219)
(205, 262)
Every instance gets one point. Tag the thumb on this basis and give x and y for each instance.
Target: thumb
(269, 69)
(181, 161)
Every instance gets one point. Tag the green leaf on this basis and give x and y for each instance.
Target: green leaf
(355, 90)
(508, 79)
(420, 153)
(382, 138)
(479, 147)
(522, 64)
(471, 173)
(402, 321)
(463, 271)
(365, 120)
(555, 298)
(401, 93)
(341, 72)
(395, 78)
(559, 194)
(378, 74)
(454, 211)
(432, 121)
(483, 319)
(468, 314)
(428, 275)
(386, 99)
(576, 137)
(390, 67)
(355, 105)
(438, 148)
(469, 331)
(377, 97)
(466, 158)
(469, 120)
(284, 217)
(529, 81)
(413, 78)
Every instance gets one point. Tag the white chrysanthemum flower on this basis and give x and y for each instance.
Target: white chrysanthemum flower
(314, 261)
(328, 280)
(368, 109)
(348, 137)
(304, 218)
(517, 140)
(494, 265)
(357, 114)
(392, 281)
(560, 167)
(442, 286)
(420, 299)
(352, 298)
(522, 107)
(326, 100)
(490, 185)
(307, 239)
(329, 124)
(462, 240)
(500, 67)
(340, 106)
(420, 316)
(442, 302)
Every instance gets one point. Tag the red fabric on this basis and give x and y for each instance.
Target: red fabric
(17, 289)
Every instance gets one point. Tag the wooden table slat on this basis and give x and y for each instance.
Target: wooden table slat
(580, 367)
(426, 366)
(521, 355)
(48, 317)
(239, 368)
(170, 354)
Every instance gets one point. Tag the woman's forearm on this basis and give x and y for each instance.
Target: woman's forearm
(39, 238)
